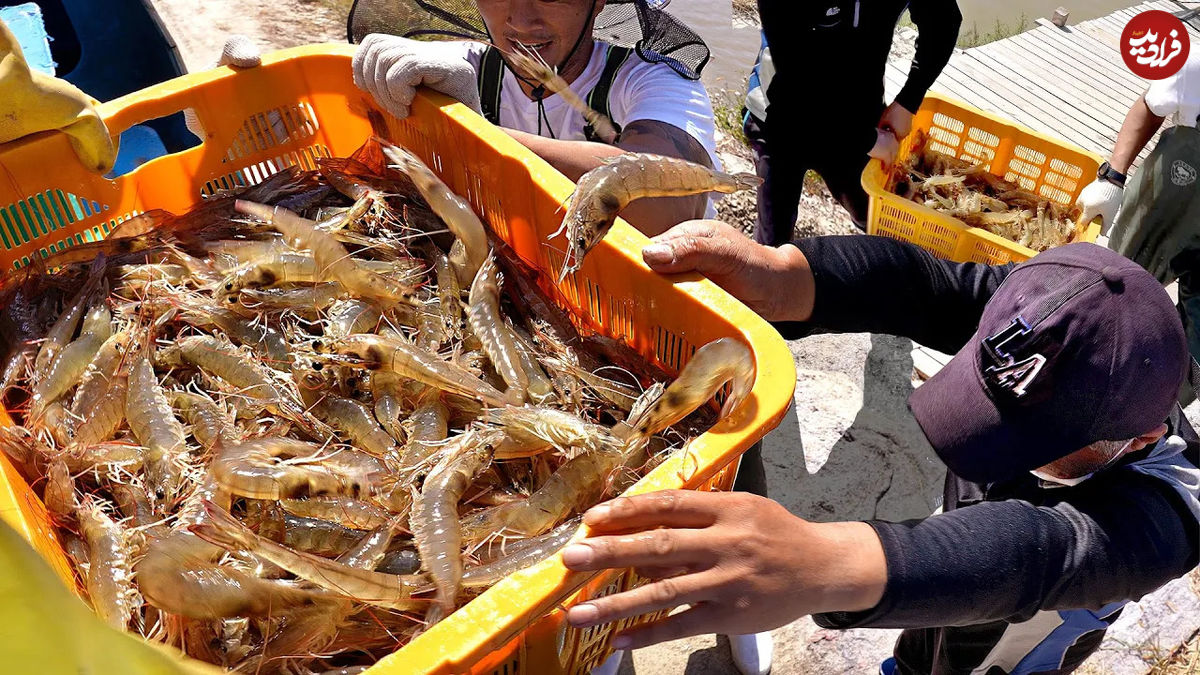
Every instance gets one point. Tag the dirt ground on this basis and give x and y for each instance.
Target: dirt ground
(847, 449)
(200, 29)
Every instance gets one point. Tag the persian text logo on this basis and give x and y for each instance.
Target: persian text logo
(1155, 45)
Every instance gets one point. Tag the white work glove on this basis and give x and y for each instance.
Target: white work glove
(391, 68)
(240, 52)
(1103, 199)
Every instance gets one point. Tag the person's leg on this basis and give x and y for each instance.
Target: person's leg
(783, 183)
(843, 177)
(751, 473)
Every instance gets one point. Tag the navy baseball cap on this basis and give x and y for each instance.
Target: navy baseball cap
(1077, 345)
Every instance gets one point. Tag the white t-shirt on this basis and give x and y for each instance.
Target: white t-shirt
(640, 91)
(1178, 96)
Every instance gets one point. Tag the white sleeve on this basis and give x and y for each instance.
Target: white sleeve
(1164, 96)
(646, 91)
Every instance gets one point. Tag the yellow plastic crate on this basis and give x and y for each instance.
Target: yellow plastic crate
(1046, 166)
(301, 104)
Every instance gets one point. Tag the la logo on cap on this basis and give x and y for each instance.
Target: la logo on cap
(1155, 45)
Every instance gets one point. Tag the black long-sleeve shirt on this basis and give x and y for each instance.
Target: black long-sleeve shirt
(999, 552)
(830, 56)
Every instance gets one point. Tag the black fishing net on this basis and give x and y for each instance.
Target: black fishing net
(657, 36)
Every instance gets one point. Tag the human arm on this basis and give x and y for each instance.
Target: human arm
(1139, 127)
(743, 562)
(1115, 537)
(651, 216)
(842, 284)
(937, 24)
(1102, 197)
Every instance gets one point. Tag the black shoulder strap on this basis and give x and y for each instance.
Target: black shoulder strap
(491, 76)
(597, 99)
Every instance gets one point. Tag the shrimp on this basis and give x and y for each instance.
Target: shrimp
(541, 389)
(59, 495)
(217, 356)
(575, 484)
(386, 390)
(178, 575)
(240, 330)
(531, 430)
(94, 382)
(526, 554)
(374, 588)
(471, 247)
(375, 352)
(275, 268)
(427, 428)
(357, 423)
(72, 362)
(435, 521)
(350, 316)
(712, 366)
(483, 314)
(62, 330)
(605, 191)
(331, 257)
(534, 65)
(154, 425)
(210, 425)
(110, 573)
(104, 419)
(252, 469)
(368, 553)
(351, 513)
(449, 297)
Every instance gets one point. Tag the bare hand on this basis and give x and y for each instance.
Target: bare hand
(774, 282)
(897, 120)
(742, 562)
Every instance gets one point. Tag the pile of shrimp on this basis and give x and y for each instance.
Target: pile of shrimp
(980, 199)
(291, 429)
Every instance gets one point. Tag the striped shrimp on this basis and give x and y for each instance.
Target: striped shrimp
(574, 485)
(397, 355)
(253, 469)
(64, 327)
(435, 521)
(605, 191)
(534, 65)
(531, 430)
(154, 425)
(483, 314)
(345, 511)
(110, 574)
(471, 248)
(94, 382)
(72, 361)
(387, 392)
(721, 361)
(374, 588)
(332, 259)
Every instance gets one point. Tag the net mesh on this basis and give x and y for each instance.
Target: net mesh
(657, 36)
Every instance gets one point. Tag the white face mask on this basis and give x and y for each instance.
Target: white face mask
(1069, 482)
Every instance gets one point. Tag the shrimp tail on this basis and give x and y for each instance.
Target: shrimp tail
(222, 529)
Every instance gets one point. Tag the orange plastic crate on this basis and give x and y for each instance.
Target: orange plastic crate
(1038, 163)
(301, 104)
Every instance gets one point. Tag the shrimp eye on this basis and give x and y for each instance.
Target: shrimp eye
(233, 300)
(581, 242)
(317, 365)
(229, 286)
(352, 382)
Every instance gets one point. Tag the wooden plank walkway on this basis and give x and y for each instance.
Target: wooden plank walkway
(1070, 83)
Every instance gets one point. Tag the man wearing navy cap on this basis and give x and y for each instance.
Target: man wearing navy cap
(1072, 486)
